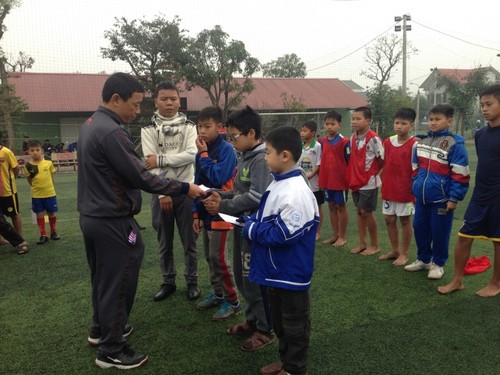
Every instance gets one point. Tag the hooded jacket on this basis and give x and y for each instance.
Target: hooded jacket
(251, 181)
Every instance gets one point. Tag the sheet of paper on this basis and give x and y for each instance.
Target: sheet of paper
(204, 188)
(231, 219)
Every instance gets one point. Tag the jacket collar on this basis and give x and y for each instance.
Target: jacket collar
(291, 173)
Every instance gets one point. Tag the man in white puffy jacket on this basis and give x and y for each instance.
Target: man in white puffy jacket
(168, 144)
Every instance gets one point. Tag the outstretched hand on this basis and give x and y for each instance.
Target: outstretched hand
(195, 191)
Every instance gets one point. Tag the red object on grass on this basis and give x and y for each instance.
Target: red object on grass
(476, 265)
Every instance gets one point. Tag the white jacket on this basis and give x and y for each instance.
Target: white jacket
(174, 146)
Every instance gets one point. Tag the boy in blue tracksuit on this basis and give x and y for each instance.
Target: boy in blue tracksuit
(215, 165)
(282, 236)
(441, 179)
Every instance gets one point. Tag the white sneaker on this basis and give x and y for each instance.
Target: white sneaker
(418, 265)
(435, 272)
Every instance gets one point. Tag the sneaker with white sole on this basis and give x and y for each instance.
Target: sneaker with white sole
(124, 359)
(436, 272)
(418, 265)
(94, 338)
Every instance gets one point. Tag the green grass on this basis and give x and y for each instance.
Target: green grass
(368, 317)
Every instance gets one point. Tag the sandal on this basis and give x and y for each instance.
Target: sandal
(258, 341)
(22, 248)
(245, 328)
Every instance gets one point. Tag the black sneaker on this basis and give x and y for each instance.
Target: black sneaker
(125, 359)
(42, 240)
(54, 236)
(94, 338)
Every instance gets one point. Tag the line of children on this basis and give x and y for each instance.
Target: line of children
(396, 186)
(215, 168)
(335, 154)
(310, 161)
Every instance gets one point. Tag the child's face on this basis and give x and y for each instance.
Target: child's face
(208, 129)
(439, 122)
(167, 102)
(36, 153)
(332, 127)
(307, 134)
(359, 122)
(241, 142)
(490, 107)
(402, 126)
(273, 159)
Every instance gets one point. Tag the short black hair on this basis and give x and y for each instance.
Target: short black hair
(443, 109)
(212, 112)
(245, 120)
(311, 125)
(333, 115)
(286, 138)
(406, 113)
(123, 84)
(367, 112)
(491, 90)
(34, 143)
(165, 86)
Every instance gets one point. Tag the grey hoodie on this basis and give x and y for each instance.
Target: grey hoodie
(252, 179)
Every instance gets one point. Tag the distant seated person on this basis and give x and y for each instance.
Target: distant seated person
(47, 149)
(26, 140)
(59, 147)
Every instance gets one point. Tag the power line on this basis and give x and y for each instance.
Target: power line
(454, 37)
(351, 53)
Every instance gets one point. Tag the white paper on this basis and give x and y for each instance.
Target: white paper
(231, 219)
(204, 188)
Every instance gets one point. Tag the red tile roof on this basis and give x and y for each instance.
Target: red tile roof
(70, 92)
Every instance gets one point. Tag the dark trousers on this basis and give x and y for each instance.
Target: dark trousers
(114, 253)
(163, 223)
(9, 233)
(257, 306)
(290, 311)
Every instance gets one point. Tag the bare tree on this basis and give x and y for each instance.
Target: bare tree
(382, 59)
(20, 63)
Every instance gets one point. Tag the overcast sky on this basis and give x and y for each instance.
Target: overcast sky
(66, 36)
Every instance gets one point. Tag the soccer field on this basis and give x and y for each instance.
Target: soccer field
(368, 317)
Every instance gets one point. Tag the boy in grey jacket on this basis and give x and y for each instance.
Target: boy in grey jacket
(252, 179)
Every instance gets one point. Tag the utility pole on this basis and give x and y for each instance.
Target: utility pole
(404, 18)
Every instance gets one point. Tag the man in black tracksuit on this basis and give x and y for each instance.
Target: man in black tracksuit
(110, 176)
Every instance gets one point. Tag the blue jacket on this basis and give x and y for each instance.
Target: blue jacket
(440, 168)
(282, 234)
(215, 170)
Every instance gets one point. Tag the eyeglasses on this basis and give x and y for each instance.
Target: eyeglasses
(233, 138)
